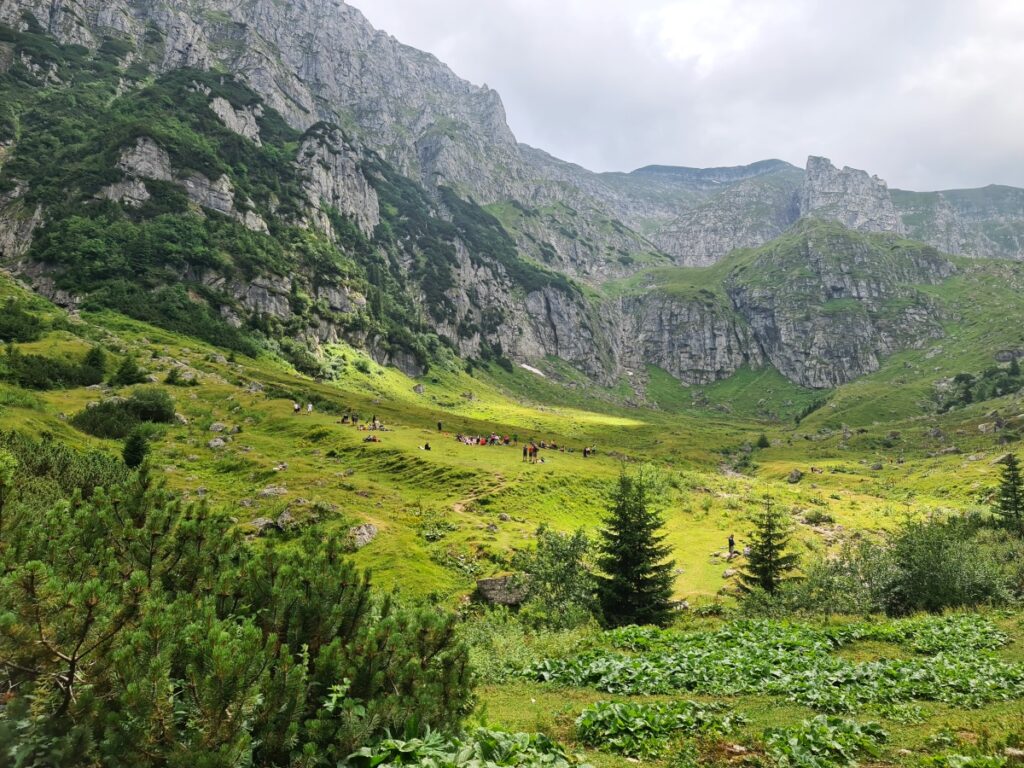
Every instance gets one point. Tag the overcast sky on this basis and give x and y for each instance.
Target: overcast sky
(928, 94)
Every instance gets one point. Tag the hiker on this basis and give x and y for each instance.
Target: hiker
(296, 408)
(586, 453)
(439, 426)
(732, 546)
(309, 409)
(526, 452)
(426, 446)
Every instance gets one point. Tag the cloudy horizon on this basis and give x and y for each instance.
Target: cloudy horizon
(919, 92)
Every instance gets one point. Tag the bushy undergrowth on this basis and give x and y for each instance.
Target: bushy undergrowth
(117, 418)
(645, 730)
(797, 662)
(481, 749)
(824, 742)
(931, 565)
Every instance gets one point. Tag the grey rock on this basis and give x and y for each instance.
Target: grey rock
(851, 197)
(216, 444)
(243, 121)
(361, 535)
(502, 590)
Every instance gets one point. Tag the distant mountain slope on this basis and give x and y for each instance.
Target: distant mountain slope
(284, 175)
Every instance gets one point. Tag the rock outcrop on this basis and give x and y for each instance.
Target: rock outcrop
(851, 197)
(334, 180)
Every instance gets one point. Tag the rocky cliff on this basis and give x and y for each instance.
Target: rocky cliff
(285, 170)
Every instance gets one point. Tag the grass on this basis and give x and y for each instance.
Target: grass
(455, 513)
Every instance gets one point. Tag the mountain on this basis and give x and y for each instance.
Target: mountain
(284, 176)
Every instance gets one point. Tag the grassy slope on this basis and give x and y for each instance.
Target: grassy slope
(459, 492)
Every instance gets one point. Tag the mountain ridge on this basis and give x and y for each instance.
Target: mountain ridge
(442, 230)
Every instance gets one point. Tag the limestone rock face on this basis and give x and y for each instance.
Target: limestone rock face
(333, 179)
(697, 341)
(851, 197)
(18, 223)
(242, 121)
(703, 235)
(835, 307)
(147, 160)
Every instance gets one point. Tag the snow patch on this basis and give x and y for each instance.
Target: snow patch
(531, 369)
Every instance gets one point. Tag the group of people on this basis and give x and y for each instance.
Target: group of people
(492, 439)
(297, 408)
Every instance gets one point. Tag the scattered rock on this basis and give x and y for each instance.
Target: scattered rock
(795, 477)
(181, 419)
(876, 467)
(492, 528)
(217, 427)
(419, 389)
(285, 520)
(361, 535)
(1014, 755)
(216, 444)
(272, 491)
(501, 590)
(504, 517)
(729, 573)
(262, 524)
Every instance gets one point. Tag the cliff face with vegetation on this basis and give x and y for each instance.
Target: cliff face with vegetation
(282, 175)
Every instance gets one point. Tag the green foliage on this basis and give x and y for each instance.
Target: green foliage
(40, 372)
(824, 742)
(166, 641)
(644, 730)
(118, 418)
(636, 587)
(135, 450)
(482, 748)
(17, 324)
(762, 441)
(127, 373)
(931, 565)
(768, 562)
(966, 388)
(561, 590)
(502, 647)
(1010, 501)
(797, 662)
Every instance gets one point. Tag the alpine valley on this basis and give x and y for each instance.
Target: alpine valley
(249, 232)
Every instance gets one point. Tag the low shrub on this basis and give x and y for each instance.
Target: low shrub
(824, 742)
(117, 418)
(645, 730)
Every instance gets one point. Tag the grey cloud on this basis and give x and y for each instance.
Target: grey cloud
(924, 93)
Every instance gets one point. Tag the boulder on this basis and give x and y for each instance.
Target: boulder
(795, 477)
(361, 535)
(501, 590)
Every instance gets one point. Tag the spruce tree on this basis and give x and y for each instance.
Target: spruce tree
(768, 563)
(637, 584)
(1010, 501)
(127, 373)
(135, 450)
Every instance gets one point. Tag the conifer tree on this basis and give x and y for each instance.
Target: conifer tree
(1010, 501)
(768, 563)
(637, 584)
(135, 450)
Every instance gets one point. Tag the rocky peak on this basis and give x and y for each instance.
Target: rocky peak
(851, 197)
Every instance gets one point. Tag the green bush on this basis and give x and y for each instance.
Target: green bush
(18, 325)
(258, 657)
(40, 372)
(127, 373)
(117, 418)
